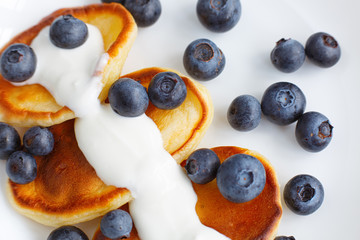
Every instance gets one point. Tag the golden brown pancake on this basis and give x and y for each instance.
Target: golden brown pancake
(31, 105)
(253, 220)
(181, 128)
(67, 189)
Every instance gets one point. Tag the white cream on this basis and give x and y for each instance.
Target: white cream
(128, 152)
(68, 73)
(125, 152)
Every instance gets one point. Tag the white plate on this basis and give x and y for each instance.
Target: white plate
(248, 70)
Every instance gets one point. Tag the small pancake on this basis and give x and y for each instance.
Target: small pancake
(253, 220)
(31, 105)
(181, 128)
(67, 189)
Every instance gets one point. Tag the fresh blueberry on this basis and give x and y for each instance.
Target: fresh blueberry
(283, 103)
(9, 140)
(288, 55)
(322, 49)
(68, 32)
(145, 12)
(38, 141)
(203, 60)
(18, 62)
(241, 178)
(21, 167)
(284, 238)
(116, 224)
(128, 98)
(218, 15)
(202, 165)
(167, 90)
(244, 113)
(67, 233)
(303, 194)
(313, 131)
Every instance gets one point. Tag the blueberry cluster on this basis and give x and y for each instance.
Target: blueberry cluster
(202, 59)
(21, 166)
(129, 98)
(321, 48)
(116, 224)
(240, 178)
(282, 103)
(215, 15)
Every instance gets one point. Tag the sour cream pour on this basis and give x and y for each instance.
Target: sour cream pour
(68, 73)
(125, 152)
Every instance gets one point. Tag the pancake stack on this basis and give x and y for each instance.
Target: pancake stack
(68, 191)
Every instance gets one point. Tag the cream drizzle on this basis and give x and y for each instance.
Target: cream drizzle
(125, 152)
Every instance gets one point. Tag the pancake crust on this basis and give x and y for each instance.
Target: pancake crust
(31, 105)
(67, 189)
(257, 219)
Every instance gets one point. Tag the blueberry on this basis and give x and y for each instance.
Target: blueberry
(303, 194)
(18, 62)
(322, 49)
(288, 55)
(203, 60)
(128, 98)
(284, 238)
(244, 113)
(21, 167)
(218, 15)
(116, 224)
(283, 103)
(9, 140)
(167, 90)
(313, 131)
(68, 32)
(67, 233)
(38, 141)
(145, 12)
(241, 178)
(202, 165)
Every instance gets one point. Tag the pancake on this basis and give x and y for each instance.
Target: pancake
(253, 220)
(32, 105)
(181, 128)
(67, 189)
